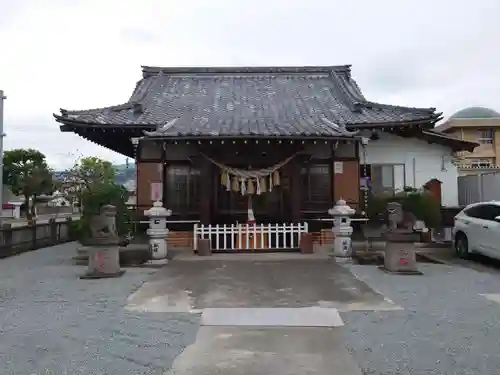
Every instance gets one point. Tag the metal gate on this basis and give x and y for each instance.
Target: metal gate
(479, 187)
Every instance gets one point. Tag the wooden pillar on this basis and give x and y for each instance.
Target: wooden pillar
(164, 179)
(295, 194)
(206, 196)
(164, 175)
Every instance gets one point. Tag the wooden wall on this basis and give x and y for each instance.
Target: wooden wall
(147, 173)
(346, 184)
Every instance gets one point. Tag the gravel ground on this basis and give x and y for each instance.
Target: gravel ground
(51, 322)
(446, 326)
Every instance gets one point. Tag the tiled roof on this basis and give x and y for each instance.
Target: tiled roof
(293, 101)
(445, 139)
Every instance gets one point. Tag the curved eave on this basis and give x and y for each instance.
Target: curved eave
(425, 122)
(113, 137)
(454, 143)
(73, 123)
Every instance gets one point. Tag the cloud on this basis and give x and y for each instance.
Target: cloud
(79, 54)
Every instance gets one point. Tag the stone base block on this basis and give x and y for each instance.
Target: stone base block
(343, 260)
(402, 272)
(132, 255)
(369, 258)
(155, 263)
(96, 275)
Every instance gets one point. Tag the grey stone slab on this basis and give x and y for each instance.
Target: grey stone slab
(274, 317)
(194, 286)
(272, 351)
(495, 297)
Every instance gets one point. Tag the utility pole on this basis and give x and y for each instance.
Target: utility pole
(2, 135)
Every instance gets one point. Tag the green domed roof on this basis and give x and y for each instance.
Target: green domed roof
(475, 113)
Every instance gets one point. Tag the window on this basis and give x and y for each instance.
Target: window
(386, 178)
(316, 187)
(485, 136)
(484, 211)
(183, 190)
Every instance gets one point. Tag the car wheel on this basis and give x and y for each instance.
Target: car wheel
(461, 245)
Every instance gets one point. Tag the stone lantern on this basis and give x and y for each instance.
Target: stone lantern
(157, 230)
(342, 229)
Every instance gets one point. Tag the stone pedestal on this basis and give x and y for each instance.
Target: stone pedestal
(104, 246)
(400, 258)
(103, 262)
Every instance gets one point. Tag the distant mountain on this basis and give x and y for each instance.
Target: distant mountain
(124, 173)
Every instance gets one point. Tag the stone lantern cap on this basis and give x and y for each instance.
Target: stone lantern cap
(341, 209)
(158, 210)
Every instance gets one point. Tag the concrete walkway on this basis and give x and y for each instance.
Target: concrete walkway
(261, 315)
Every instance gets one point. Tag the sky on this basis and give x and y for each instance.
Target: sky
(80, 54)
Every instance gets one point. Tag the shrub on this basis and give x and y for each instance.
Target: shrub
(376, 209)
(418, 202)
(423, 205)
(97, 195)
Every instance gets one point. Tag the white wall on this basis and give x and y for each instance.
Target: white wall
(423, 161)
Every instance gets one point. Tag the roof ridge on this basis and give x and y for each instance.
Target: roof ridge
(154, 70)
(339, 85)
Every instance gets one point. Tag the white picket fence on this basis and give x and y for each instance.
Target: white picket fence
(250, 237)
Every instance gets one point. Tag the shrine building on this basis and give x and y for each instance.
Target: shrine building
(289, 141)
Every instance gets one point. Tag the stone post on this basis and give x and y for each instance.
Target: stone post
(103, 246)
(53, 231)
(306, 243)
(158, 231)
(7, 235)
(342, 230)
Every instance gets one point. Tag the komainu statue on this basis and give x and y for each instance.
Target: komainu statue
(395, 213)
(103, 226)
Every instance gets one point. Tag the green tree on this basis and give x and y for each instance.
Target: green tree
(26, 172)
(93, 170)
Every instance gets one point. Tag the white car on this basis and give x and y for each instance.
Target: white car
(477, 229)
